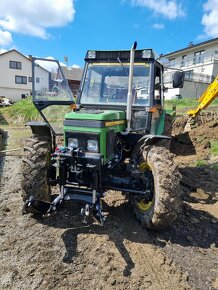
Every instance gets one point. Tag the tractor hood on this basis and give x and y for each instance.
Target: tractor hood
(100, 125)
(97, 115)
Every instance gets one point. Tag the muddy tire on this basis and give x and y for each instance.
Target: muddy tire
(35, 164)
(2, 139)
(168, 127)
(163, 205)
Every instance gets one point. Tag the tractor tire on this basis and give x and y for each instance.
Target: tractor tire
(164, 203)
(1, 139)
(35, 165)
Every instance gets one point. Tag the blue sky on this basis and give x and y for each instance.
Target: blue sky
(61, 28)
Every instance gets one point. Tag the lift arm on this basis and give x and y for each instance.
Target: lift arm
(210, 94)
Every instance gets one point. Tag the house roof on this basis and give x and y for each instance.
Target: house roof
(27, 58)
(69, 73)
(74, 74)
(191, 47)
(14, 50)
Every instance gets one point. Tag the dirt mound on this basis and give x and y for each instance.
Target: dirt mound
(197, 142)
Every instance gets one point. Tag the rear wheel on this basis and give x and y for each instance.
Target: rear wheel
(160, 205)
(35, 165)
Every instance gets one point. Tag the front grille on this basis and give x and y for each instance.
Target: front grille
(83, 137)
(110, 143)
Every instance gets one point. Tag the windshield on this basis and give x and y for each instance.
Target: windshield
(107, 83)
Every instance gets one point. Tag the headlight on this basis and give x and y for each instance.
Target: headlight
(72, 142)
(91, 54)
(147, 53)
(92, 145)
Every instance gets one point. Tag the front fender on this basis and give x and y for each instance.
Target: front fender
(152, 139)
(39, 128)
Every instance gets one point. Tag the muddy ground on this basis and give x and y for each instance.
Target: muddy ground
(60, 252)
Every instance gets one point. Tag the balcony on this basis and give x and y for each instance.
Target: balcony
(207, 57)
(191, 77)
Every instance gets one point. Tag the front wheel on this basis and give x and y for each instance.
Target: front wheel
(35, 165)
(161, 205)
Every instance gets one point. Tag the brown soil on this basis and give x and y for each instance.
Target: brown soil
(60, 252)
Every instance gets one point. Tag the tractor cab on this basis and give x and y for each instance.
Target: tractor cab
(106, 79)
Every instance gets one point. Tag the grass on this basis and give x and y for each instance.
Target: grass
(185, 104)
(204, 163)
(21, 112)
(24, 111)
(214, 148)
(200, 163)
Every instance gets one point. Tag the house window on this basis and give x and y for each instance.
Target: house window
(30, 79)
(189, 74)
(15, 64)
(172, 61)
(184, 60)
(37, 80)
(20, 80)
(199, 57)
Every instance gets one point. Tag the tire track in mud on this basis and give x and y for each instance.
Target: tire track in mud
(151, 264)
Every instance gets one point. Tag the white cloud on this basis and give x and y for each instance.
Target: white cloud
(31, 17)
(3, 51)
(5, 38)
(75, 66)
(210, 18)
(170, 9)
(48, 63)
(158, 26)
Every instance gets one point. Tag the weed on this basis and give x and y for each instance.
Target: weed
(214, 148)
(200, 163)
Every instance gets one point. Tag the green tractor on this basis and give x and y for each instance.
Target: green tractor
(114, 138)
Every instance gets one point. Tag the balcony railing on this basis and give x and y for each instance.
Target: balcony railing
(209, 56)
(191, 76)
(199, 78)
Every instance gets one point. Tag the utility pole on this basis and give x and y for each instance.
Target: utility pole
(66, 60)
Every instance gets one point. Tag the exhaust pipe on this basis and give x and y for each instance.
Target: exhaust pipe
(129, 95)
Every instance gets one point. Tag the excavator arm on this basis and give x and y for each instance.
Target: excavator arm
(210, 94)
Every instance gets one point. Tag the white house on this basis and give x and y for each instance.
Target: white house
(16, 75)
(200, 63)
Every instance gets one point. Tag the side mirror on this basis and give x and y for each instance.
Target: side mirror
(178, 79)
